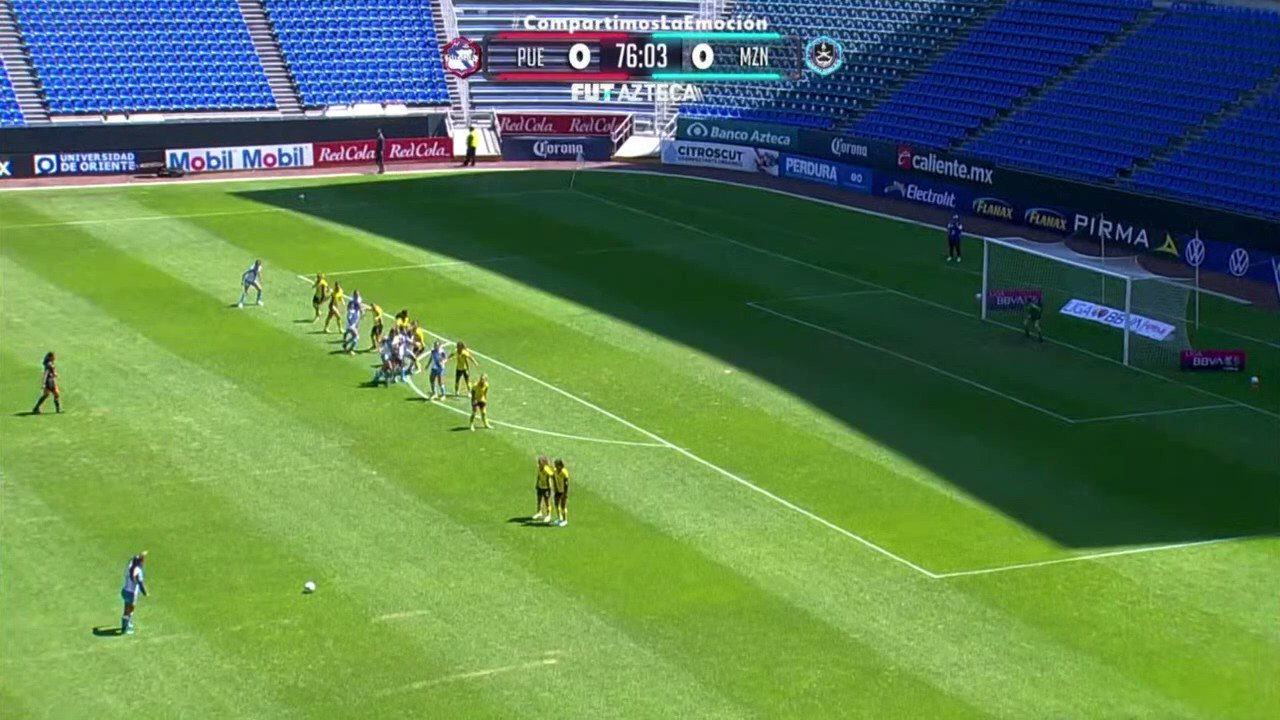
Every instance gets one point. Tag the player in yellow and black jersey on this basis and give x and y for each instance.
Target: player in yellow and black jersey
(337, 303)
(545, 473)
(319, 295)
(378, 330)
(480, 402)
(560, 483)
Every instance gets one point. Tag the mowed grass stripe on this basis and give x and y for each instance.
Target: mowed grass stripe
(490, 610)
(748, 633)
(938, 634)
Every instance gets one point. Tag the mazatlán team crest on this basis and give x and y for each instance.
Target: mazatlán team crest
(462, 57)
(824, 55)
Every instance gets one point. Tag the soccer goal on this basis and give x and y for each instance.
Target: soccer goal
(1113, 308)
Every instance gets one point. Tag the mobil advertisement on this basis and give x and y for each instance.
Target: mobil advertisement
(900, 186)
(850, 177)
(222, 159)
(566, 125)
(87, 163)
(710, 155)
(557, 148)
(738, 132)
(362, 152)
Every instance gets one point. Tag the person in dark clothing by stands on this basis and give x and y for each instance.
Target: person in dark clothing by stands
(377, 151)
(954, 231)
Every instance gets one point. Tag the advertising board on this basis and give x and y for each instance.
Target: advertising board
(709, 155)
(834, 174)
(553, 124)
(222, 159)
(361, 152)
(594, 148)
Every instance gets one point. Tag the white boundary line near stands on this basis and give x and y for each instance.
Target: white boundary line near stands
(1097, 556)
(847, 276)
(706, 463)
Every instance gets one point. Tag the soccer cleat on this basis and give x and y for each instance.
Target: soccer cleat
(562, 523)
(259, 302)
(240, 305)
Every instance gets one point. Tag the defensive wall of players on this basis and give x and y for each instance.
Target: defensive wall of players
(1232, 244)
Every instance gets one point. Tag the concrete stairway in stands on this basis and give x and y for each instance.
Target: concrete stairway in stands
(279, 77)
(17, 64)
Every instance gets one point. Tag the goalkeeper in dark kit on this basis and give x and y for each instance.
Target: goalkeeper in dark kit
(1031, 318)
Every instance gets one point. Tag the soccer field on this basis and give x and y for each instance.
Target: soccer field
(808, 480)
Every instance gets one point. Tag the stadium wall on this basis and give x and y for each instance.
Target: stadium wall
(127, 148)
(1239, 245)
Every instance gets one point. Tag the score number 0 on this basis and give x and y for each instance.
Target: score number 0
(702, 56)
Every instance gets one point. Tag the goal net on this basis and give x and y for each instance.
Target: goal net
(1107, 307)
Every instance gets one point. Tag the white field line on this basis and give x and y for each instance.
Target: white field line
(823, 296)
(282, 180)
(510, 258)
(706, 463)
(1155, 413)
(302, 206)
(847, 276)
(1096, 556)
(142, 638)
(402, 615)
(913, 361)
(475, 675)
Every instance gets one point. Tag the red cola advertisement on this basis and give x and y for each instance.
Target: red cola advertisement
(361, 152)
(579, 125)
(1213, 360)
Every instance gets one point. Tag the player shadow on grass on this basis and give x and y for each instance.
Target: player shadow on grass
(26, 413)
(107, 631)
(527, 521)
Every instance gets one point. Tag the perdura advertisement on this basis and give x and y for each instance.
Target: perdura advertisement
(850, 177)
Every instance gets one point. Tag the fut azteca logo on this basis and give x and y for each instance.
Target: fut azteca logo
(824, 55)
(462, 57)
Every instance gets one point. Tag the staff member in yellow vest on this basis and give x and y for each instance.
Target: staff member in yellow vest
(473, 140)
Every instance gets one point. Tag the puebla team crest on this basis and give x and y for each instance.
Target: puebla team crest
(462, 57)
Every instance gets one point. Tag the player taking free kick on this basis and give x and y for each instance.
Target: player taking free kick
(133, 584)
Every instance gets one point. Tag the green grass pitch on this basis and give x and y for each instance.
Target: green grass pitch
(809, 482)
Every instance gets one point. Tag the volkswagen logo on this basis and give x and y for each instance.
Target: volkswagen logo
(1195, 252)
(1238, 263)
(698, 130)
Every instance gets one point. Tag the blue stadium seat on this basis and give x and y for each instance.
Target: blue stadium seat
(1020, 48)
(102, 56)
(383, 51)
(10, 113)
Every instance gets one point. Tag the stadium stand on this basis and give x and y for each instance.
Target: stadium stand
(1163, 81)
(1020, 48)
(120, 56)
(885, 41)
(1236, 165)
(10, 113)
(361, 51)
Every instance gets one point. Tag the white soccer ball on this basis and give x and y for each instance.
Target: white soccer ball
(1253, 380)
(309, 587)
(977, 296)
(302, 196)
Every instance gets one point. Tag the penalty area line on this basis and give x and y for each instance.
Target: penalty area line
(913, 361)
(548, 661)
(700, 460)
(1096, 556)
(1157, 413)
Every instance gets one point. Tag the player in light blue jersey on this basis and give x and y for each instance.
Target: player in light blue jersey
(252, 278)
(355, 310)
(134, 583)
(436, 360)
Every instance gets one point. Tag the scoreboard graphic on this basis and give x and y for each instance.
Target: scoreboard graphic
(578, 57)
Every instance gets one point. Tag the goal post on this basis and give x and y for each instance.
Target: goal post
(1112, 308)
